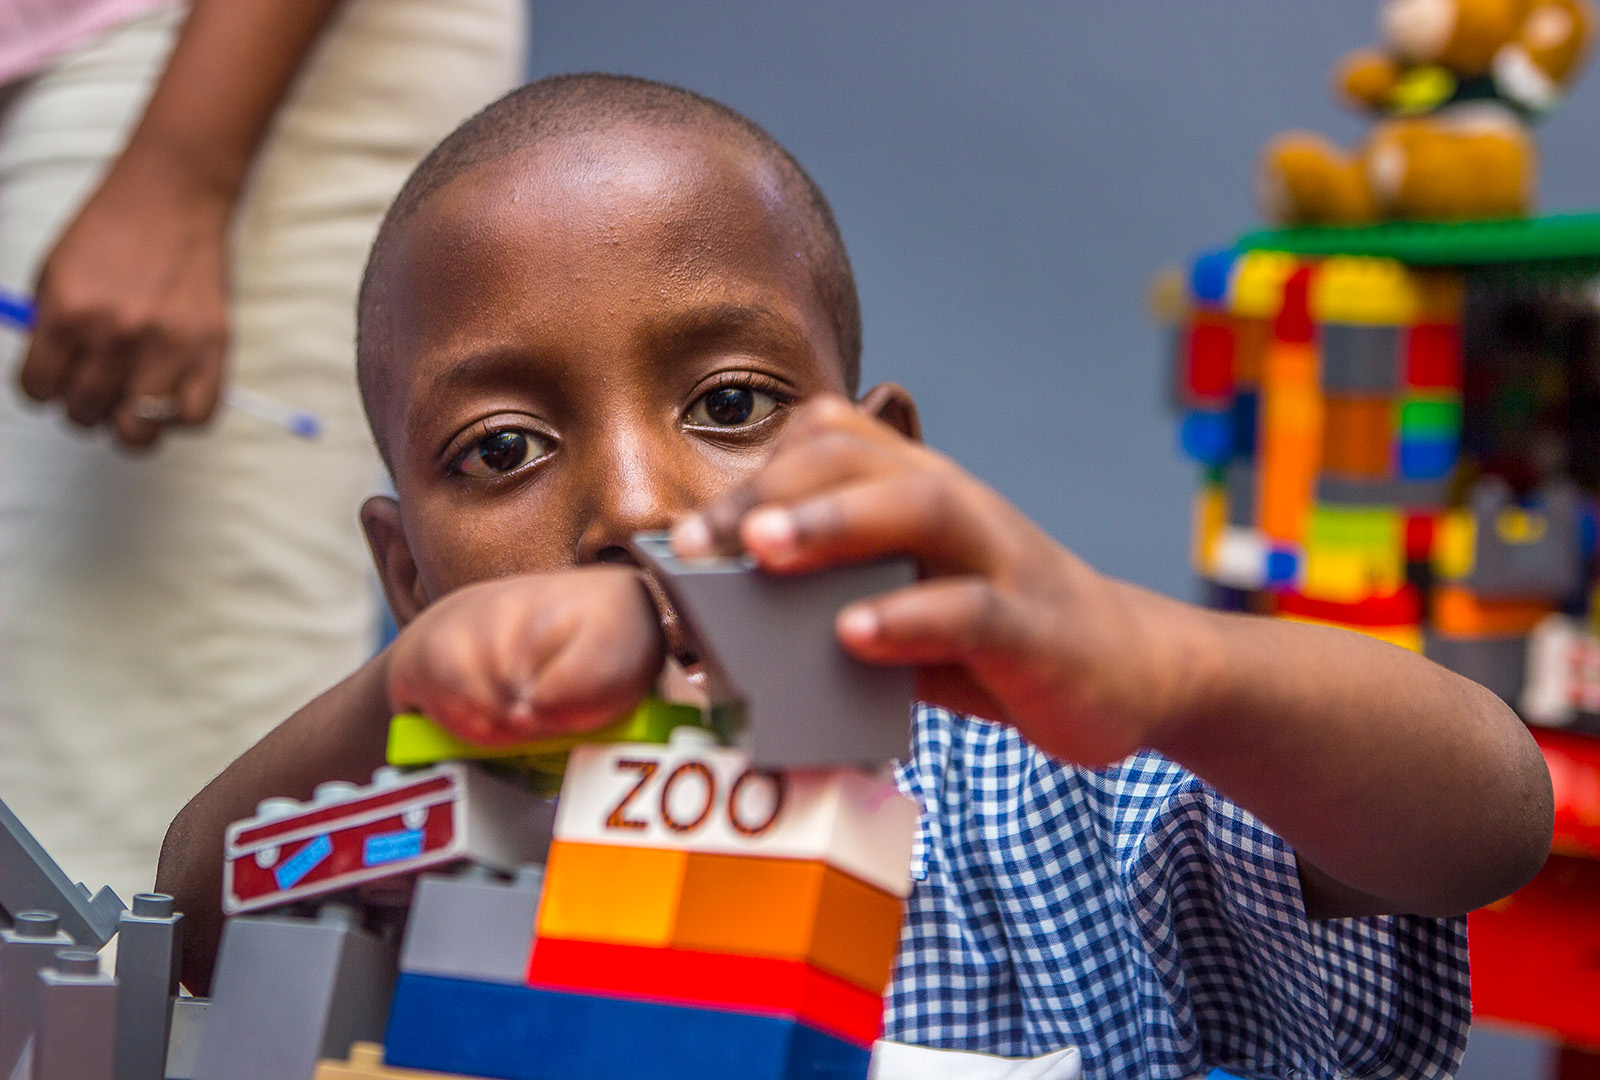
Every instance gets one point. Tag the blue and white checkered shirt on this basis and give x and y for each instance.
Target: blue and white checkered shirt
(1137, 914)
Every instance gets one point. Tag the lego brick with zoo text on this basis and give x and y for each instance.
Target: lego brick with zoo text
(523, 1033)
(371, 834)
(793, 909)
(692, 796)
(757, 984)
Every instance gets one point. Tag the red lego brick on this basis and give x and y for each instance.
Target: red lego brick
(1574, 764)
(1293, 323)
(786, 988)
(1419, 536)
(1433, 356)
(1400, 608)
(1209, 370)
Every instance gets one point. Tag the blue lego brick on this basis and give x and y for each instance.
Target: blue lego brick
(1427, 459)
(1281, 567)
(521, 1033)
(1208, 281)
(1246, 407)
(1207, 437)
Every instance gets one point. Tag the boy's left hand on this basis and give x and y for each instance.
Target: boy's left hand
(1005, 623)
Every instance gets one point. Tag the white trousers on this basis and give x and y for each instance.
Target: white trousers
(158, 614)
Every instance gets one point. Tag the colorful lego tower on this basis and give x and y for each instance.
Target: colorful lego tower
(1399, 432)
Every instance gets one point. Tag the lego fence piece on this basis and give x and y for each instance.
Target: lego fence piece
(30, 880)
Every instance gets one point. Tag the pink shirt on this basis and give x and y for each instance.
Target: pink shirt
(33, 32)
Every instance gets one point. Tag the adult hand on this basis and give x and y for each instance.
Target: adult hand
(131, 304)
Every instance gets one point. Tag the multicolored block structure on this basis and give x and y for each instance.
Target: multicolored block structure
(1399, 434)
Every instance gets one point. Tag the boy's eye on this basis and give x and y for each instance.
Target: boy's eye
(501, 452)
(732, 406)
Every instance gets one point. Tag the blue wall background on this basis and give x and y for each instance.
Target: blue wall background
(1008, 176)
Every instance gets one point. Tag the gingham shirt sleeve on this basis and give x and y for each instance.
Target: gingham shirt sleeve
(1265, 991)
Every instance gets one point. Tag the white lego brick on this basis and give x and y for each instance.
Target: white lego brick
(1547, 698)
(1239, 559)
(693, 796)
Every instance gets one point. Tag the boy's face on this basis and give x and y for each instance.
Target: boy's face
(584, 341)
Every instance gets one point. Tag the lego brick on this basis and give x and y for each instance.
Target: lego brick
(1402, 607)
(1290, 366)
(583, 897)
(1427, 418)
(1241, 494)
(471, 927)
(1208, 278)
(1419, 530)
(1498, 663)
(774, 663)
(793, 909)
(1251, 340)
(1240, 558)
(366, 1063)
(183, 1040)
(1458, 613)
(694, 797)
(522, 1033)
(76, 1035)
(770, 987)
(290, 991)
(1286, 482)
(1360, 359)
(1210, 515)
(1358, 437)
(1208, 359)
(416, 740)
(1354, 289)
(1385, 492)
(1206, 436)
(1367, 528)
(149, 941)
(1293, 323)
(1501, 549)
(1433, 357)
(399, 824)
(1244, 418)
(27, 948)
(1256, 285)
(1563, 673)
(30, 880)
(1427, 459)
(1350, 574)
(1283, 566)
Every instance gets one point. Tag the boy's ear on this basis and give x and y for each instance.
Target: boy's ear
(891, 403)
(402, 587)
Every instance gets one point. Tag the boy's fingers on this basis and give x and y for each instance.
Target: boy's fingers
(949, 621)
(96, 381)
(153, 382)
(917, 514)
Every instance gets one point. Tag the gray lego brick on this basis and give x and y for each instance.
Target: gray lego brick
(1241, 480)
(769, 647)
(1402, 493)
(27, 948)
(1364, 359)
(471, 928)
(1548, 565)
(183, 1043)
(148, 943)
(77, 1032)
(290, 991)
(30, 880)
(1496, 663)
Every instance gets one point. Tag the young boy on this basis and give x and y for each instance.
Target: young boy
(606, 305)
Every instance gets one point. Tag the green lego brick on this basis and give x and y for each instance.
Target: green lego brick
(1557, 238)
(416, 740)
(1426, 418)
(1363, 527)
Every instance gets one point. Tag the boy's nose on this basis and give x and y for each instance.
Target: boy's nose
(638, 491)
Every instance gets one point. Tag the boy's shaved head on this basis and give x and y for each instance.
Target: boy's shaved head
(567, 107)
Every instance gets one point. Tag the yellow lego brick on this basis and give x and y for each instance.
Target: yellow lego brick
(1255, 290)
(1364, 291)
(416, 740)
(366, 1063)
(1210, 515)
(1349, 575)
(1455, 539)
(606, 892)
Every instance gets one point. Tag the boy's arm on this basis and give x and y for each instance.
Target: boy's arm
(338, 736)
(1401, 786)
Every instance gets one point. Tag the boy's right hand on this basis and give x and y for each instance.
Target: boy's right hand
(530, 657)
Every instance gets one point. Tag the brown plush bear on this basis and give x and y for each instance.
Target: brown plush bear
(1458, 86)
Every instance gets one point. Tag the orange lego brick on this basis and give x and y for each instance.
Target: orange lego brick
(796, 909)
(1289, 365)
(1286, 482)
(1358, 436)
(1251, 338)
(1459, 613)
(606, 892)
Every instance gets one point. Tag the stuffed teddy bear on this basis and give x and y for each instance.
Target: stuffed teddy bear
(1457, 88)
